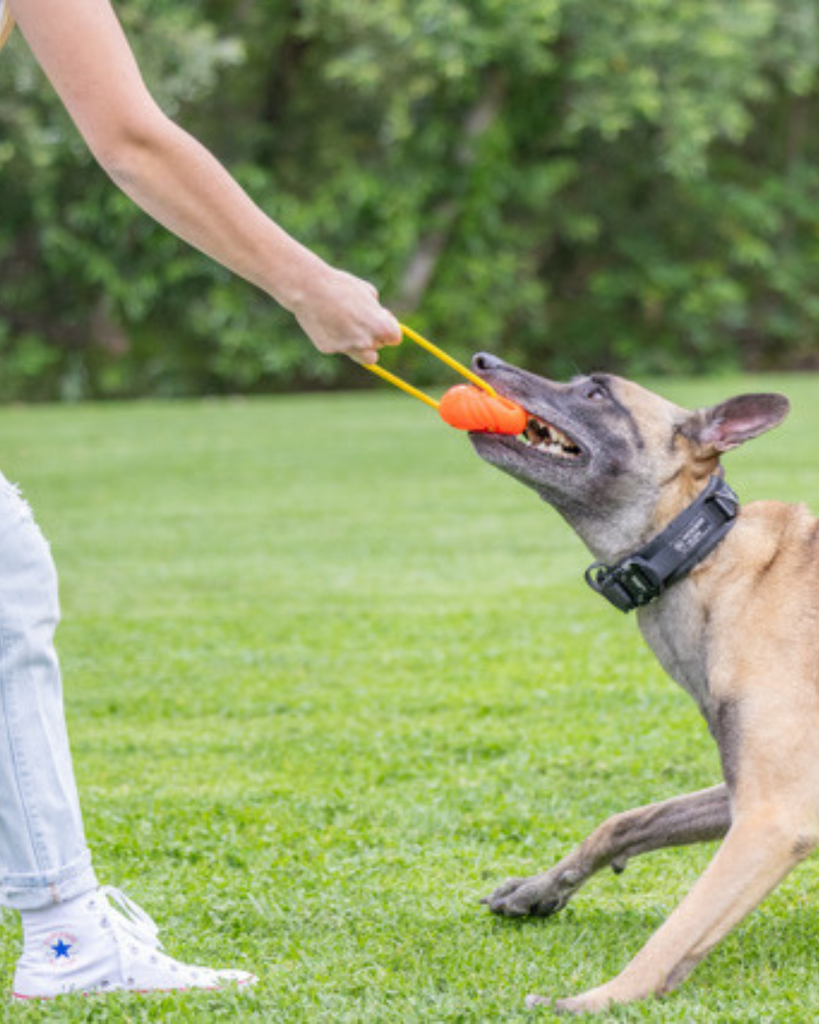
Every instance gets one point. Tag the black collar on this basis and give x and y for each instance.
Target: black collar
(641, 577)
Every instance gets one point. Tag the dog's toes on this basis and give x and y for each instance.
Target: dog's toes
(521, 897)
(511, 906)
(509, 886)
(495, 900)
(534, 905)
(547, 907)
(573, 1005)
(596, 1000)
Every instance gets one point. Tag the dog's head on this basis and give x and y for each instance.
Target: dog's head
(616, 460)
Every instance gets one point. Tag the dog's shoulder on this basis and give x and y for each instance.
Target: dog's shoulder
(769, 560)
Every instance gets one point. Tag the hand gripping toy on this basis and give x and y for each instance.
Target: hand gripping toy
(463, 406)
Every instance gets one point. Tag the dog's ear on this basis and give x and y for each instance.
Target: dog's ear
(731, 423)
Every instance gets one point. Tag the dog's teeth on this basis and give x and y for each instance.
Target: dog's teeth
(545, 438)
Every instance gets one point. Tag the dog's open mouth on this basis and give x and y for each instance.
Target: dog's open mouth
(547, 438)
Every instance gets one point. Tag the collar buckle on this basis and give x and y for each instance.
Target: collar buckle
(630, 584)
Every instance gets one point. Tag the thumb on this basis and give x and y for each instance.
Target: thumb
(365, 357)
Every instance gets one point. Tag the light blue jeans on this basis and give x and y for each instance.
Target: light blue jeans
(43, 855)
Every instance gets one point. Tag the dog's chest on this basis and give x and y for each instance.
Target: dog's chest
(675, 629)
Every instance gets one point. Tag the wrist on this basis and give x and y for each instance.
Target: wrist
(297, 277)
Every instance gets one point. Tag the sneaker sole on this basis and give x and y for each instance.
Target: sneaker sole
(245, 983)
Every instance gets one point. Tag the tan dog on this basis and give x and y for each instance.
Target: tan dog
(738, 630)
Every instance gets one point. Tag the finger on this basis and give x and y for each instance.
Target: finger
(392, 330)
(365, 357)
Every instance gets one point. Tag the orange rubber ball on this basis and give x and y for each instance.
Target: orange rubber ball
(467, 408)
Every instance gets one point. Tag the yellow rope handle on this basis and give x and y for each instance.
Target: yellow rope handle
(439, 354)
(402, 384)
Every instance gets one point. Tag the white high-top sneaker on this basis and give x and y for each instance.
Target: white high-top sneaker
(90, 945)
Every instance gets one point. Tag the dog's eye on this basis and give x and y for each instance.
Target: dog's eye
(595, 392)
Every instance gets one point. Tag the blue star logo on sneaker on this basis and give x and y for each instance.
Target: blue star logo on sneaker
(60, 948)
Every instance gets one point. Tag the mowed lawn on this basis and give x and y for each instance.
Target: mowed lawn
(330, 679)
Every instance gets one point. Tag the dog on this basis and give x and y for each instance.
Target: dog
(728, 600)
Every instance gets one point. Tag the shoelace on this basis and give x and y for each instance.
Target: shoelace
(131, 918)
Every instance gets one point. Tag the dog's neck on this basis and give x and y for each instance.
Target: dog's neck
(627, 524)
(643, 575)
(643, 508)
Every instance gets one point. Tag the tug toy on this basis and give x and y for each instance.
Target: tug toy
(479, 408)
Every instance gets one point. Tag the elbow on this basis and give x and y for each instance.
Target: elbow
(126, 149)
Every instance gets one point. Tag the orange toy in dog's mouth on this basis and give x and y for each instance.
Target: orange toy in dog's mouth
(466, 408)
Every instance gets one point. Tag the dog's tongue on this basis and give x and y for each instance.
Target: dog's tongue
(467, 408)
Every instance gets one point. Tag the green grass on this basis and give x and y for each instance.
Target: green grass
(330, 679)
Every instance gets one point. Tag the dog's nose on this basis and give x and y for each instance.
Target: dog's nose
(483, 361)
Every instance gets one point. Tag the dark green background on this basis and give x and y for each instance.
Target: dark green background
(631, 184)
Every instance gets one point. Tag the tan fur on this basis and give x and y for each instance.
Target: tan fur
(741, 635)
(758, 604)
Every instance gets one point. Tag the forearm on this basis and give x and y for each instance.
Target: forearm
(184, 187)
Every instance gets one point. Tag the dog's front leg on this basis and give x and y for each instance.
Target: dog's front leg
(760, 849)
(775, 824)
(693, 818)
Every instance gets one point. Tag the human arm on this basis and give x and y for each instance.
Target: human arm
(86, 56)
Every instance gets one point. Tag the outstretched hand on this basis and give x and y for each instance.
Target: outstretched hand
(342, 314)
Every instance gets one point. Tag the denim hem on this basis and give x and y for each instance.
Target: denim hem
(34, 892)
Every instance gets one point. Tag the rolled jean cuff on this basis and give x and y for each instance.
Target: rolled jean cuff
(34, 892)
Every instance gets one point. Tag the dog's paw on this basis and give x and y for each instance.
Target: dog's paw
(540, 896)
(510, 886)
(590, 1002)
(573, 1005)
(595, 1000)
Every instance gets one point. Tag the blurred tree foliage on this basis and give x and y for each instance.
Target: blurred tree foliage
(632, 184)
